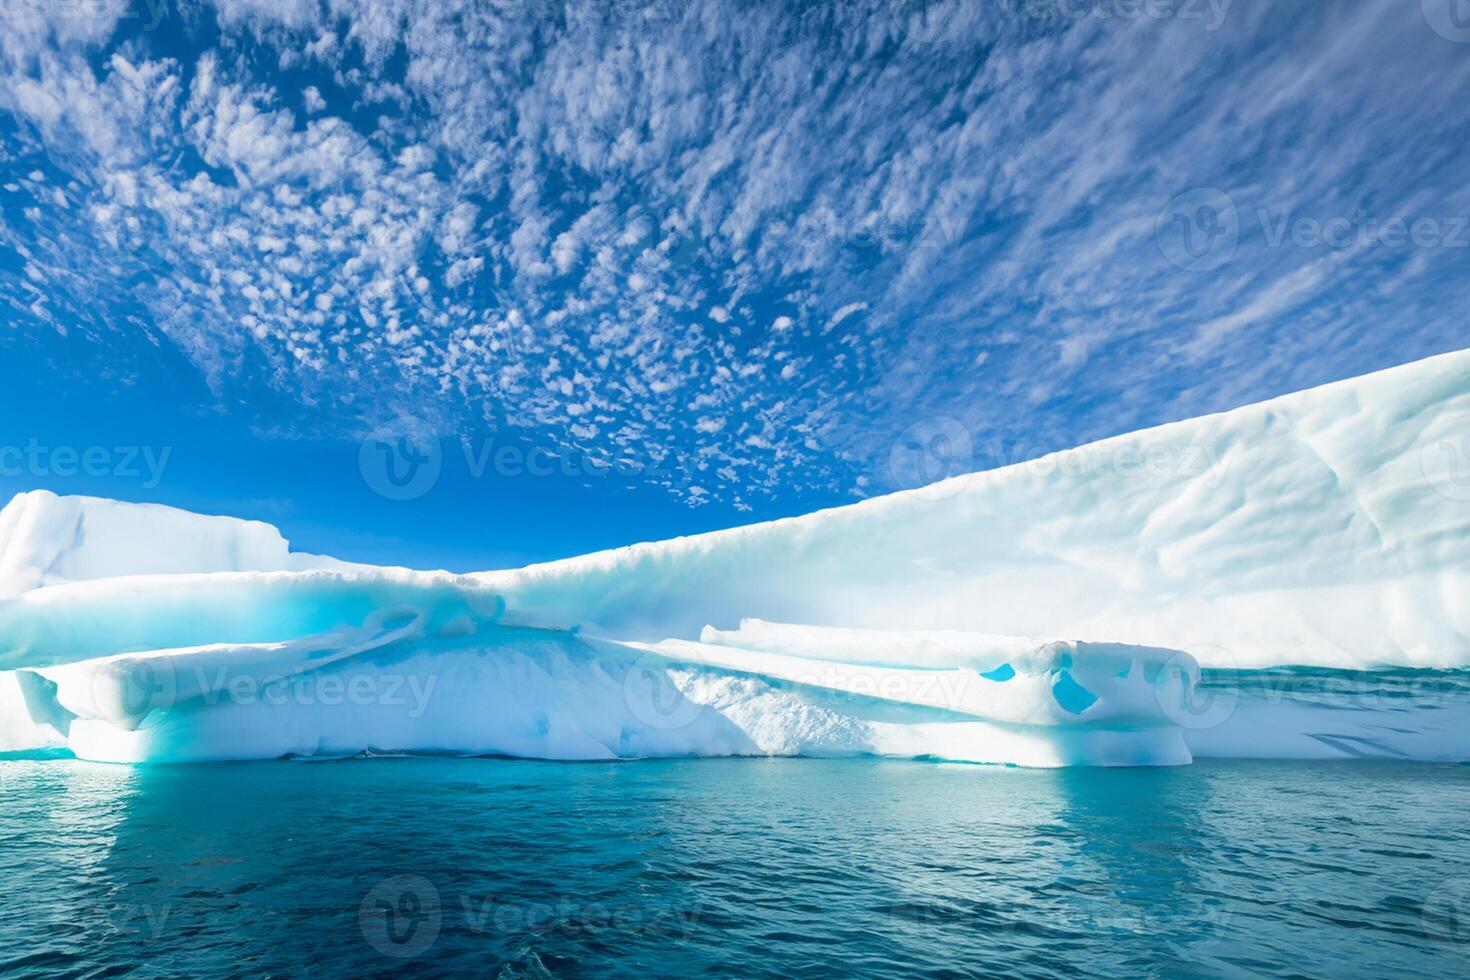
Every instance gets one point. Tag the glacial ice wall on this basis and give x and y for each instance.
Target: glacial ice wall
(45, 539)
(1312, 550)
(1328, 527)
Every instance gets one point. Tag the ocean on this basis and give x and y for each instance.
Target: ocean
(732, 867)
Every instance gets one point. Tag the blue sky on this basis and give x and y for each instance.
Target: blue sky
(475, 284)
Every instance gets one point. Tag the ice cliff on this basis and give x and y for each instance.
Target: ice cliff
(1311, 552)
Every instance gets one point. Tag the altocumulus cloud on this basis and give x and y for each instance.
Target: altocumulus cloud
(766, 238)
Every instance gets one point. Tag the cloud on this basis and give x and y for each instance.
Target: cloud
(637, 227)
(844, 312)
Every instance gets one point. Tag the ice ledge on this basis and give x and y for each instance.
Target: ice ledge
(1329, 527)
(46, 539)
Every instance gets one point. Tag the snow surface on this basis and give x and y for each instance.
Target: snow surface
(1328, 527)
(46, 539)
(1054, 612)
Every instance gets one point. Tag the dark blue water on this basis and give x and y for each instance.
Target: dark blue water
(746, 868)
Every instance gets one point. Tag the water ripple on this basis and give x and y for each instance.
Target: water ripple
(760, 868)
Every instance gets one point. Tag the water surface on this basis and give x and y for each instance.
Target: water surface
(749, 868)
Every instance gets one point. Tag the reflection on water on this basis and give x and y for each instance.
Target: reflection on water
(749, 868)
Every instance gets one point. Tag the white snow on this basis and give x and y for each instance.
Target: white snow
(1327, 527)
(45, 539)
(1053, 612)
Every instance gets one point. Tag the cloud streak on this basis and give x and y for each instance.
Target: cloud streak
(767, 244)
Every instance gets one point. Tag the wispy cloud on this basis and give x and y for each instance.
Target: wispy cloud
(649, 228)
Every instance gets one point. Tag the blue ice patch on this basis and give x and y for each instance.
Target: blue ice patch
(1070, 695)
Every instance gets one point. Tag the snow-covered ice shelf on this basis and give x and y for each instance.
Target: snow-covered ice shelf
(1311, 553)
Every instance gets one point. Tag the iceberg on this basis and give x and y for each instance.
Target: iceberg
(1287, 580)
(1330, 527)
(45, 539)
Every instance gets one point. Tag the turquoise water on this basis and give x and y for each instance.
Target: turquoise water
(748, 868)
